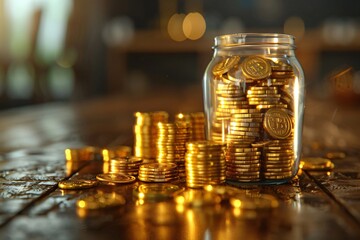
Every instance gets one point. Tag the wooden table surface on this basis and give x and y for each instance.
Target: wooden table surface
(319, 205)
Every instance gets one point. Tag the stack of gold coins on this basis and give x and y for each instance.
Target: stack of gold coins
(172, 138)
(229, 97)
(243, 162)
(115, 152)
(145, 131)
(165, 143)
(204, 163)
(278, 159)
(245, 125)
(158, 172)
(126, 165)
(198, 126)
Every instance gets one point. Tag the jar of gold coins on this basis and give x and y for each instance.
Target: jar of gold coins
(254, 104)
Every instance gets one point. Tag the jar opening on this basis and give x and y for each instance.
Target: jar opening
(248, 39)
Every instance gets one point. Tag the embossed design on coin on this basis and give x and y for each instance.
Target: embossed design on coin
(277, 123)
(224, 66)
(256, 67)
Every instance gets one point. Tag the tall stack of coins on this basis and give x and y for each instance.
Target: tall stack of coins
(127, 165)
(254, 103)
(198, 126)
(196, 120)
(172, 138)
(243, 162)
(145, 131)
(158, 172)
(204, 163)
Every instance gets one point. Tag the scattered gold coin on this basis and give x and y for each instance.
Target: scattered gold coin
(316, 163)
(77, 184)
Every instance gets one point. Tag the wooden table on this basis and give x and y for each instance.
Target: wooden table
(320, 205)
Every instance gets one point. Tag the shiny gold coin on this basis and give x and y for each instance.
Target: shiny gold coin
(316, 163)
(256, 67)
(115, 178)
(100, 201)
(262, 202)
(225, 65)
(277, 123)
(77, 184)
(157, 180)
(245, 161)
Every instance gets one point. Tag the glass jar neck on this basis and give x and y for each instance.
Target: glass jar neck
(255, 43)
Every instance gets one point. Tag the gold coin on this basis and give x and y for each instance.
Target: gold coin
(243, 161)
(115, 178)
(77, 184)
(316, 163)
(277, 123)
(262, 202)
(100, 201)
(256, 67)
(261, 144)
(225, 65)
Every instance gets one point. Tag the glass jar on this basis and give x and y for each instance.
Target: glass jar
(253, 92)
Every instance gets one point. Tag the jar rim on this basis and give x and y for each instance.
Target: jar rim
(245, 39)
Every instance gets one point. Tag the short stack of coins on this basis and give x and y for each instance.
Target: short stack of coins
(245, 125)
(145, 131)
(158, 172)
(204, 163)
(278, 160)
(243, 162)
(254, 103)
(126, 165)
(172, 138)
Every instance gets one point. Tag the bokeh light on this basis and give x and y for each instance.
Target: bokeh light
(295, 26)
(194, 26)
(175, 28)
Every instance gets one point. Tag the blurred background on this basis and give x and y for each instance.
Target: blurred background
(71, 50)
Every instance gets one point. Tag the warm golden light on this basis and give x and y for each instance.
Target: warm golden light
(174, 27)
(295, 26)
(81, 204)
(194, 26)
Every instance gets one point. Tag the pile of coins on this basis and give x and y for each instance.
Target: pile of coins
(243, 162)
(204, 163)
(254, 103)
(145, 131)
(278, 160)
(127, 165)
(172, 138)
(158, 172)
